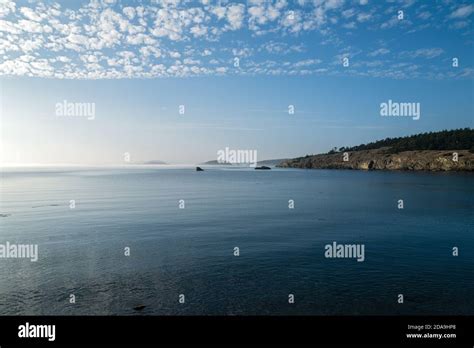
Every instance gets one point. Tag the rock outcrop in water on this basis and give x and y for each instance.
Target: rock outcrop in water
(379, 159)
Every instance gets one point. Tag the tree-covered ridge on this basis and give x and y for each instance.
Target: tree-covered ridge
(458, 139)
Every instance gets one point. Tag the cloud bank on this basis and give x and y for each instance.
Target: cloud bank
(109, 39)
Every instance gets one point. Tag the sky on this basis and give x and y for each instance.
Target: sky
(180, 80)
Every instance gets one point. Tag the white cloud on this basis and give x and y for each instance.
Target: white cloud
(262, 13)
(242, 52)
(333, 4)
(198, 30)
(173, 37)
(6, 7)
(31, 45)
(363, 17)
(235, 16)
(189, 61)
(63, 59)
(424, 15)
(281, 48)
(348, 13)
(350, 25)
(30, 26)
(392, 22)
(140, 39)
(307, 62)
(89, 58)
(462, 11)
(219, 11)
(15, 67)
(175, 54)
(379, 52)
(293, 20)
(78, 39)
(130, 12)
(427, 53)
(147, 51)
(460, 25)
(8, 27)
(30, 14)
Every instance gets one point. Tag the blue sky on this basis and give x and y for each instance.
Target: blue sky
(137, 61)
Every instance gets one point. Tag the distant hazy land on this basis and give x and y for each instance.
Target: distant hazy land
(155, 162)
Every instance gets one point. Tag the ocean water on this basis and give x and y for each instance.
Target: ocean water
(190, 251)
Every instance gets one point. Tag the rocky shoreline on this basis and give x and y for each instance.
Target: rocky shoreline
(382, 159)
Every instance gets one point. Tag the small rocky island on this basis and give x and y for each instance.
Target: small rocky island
(435, 151)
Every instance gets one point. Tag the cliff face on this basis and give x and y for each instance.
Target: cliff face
(380, 159)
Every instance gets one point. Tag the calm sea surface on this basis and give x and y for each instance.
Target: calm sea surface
(190, 251)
